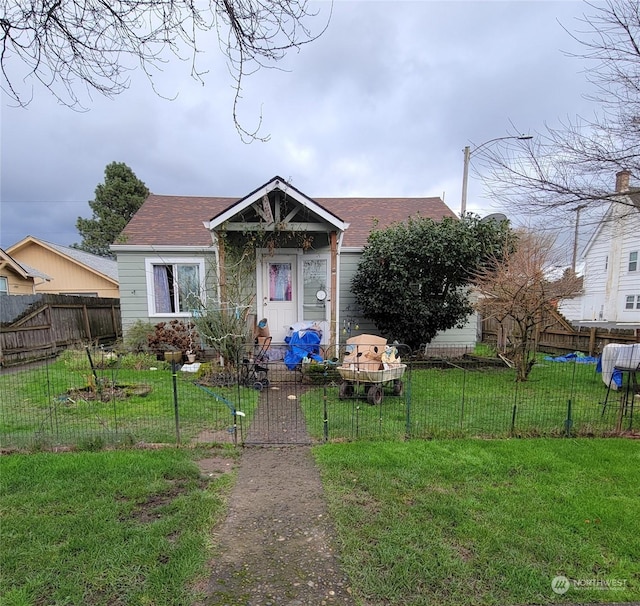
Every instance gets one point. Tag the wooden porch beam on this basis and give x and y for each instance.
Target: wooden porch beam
(333, 308)
(247, 227)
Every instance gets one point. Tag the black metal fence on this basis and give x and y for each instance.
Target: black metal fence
(128, 400)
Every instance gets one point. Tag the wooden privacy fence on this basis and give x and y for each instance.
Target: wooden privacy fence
(558, 335)
(33, 327)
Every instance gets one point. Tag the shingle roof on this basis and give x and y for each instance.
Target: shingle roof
(178, 220)
(102, 265)
(107, 267)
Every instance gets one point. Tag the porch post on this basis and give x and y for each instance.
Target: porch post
(222, 274)
(333, 308)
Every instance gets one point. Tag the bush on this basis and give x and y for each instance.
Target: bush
(137, 338)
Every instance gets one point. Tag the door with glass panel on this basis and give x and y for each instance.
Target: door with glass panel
(279, 302)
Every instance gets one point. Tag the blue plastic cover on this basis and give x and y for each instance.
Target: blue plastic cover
(302, 345)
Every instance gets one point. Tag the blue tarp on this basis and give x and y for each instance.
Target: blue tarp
(574, 357)
(302, 345)
(580, 358)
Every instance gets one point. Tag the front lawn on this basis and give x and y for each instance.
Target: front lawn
(449, 401)
(487, 522)
(106, 528)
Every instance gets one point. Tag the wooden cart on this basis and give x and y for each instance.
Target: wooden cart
(371, 383)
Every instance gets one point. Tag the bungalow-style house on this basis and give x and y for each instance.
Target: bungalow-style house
(304, 252)
(18, 278)
(611, 259)
(71, 271)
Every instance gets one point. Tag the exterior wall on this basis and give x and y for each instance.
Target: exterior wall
(134, 301)
(628, 281)
(67, 276)
(465, 337)
(607, 279)
(17, 285)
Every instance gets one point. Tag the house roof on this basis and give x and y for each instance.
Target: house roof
(633, 196)
(22, 269)
(101, 265)
(178, 220)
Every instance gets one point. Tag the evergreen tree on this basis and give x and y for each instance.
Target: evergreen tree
(116, 201)
(413, 278)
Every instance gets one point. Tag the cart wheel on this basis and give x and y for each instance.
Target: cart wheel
(258, 385)
(398, 387)
(374, 395)
(265, 382)
(346, 390)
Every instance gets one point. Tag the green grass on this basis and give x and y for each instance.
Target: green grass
(456, 402)
(38, 410)
(46, 405)
(108, 528)
(470, 522)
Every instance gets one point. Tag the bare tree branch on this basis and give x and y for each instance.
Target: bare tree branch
(576, 163)
(95, 44)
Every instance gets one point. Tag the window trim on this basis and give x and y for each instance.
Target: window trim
(4, 280)
(149, 264)
(633, 261)
(635, 302)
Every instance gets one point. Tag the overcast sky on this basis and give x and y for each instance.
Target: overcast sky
(382, 104)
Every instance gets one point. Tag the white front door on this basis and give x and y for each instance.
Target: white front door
(278, 294)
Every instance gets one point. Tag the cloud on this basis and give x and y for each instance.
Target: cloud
(381, 104)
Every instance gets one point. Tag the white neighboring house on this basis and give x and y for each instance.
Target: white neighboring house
(611, 287)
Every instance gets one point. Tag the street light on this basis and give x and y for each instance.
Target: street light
(467, 157)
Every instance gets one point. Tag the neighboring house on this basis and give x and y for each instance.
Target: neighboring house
(611, 275)
(71, 271)
(18, 278)
(165, 252)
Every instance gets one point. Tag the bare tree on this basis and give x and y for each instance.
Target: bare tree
(519, 291)
(576, 163)
(65, 44)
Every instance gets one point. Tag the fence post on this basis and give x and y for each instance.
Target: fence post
(174, 375)
(325, 420)
(407, 402)
(513, 413)
(568, 421)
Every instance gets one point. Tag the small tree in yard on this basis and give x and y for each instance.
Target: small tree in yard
(412, 280)
(516, 288)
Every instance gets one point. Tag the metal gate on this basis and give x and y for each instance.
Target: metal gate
(278, 419)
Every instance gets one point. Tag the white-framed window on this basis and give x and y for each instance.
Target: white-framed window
(633, 261)
(175, 287)
(632, 302)
(4, 286)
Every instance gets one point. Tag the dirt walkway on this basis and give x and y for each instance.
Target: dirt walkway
(277, 544)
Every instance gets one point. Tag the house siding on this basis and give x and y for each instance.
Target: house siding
(67, 276)
(607, 279)
(17, 285)
(133, 283)
(349, 311)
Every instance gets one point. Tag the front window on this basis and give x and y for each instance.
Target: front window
(632, 302)
(4, 286)
(174, 286)
(315, 275)
(633, 261)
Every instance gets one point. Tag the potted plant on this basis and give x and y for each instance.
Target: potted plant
(173, 339)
